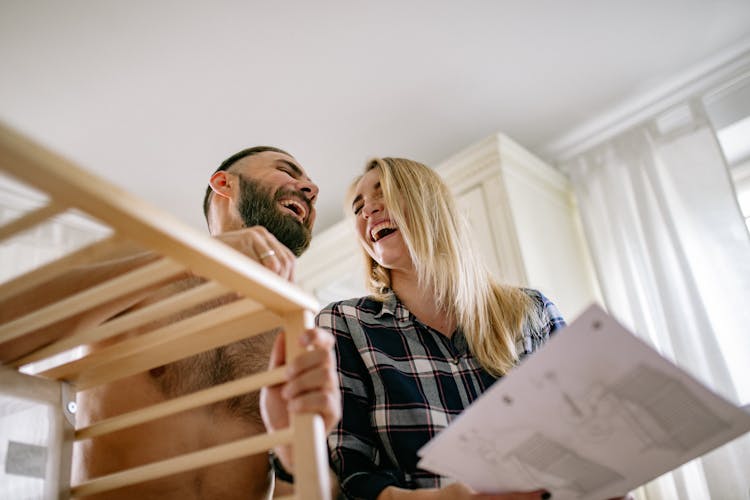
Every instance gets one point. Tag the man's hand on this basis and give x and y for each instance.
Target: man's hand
(311, 387)
(259, 244)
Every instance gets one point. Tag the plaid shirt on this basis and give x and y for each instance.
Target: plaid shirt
(401, 383)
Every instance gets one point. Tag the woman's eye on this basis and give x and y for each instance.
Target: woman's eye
(357, 209)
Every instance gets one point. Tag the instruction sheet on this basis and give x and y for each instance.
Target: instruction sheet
(593, 414)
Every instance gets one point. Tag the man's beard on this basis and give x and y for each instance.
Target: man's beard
(259, 207)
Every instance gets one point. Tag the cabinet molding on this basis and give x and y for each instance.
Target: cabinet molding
(521, 212)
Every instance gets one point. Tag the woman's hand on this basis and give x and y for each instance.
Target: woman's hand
(458, 491)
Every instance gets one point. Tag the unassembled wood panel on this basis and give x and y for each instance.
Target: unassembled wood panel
(265, 301)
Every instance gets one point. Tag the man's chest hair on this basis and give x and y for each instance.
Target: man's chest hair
(213, 367)
(218, 366)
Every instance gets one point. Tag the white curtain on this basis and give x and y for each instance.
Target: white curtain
(672, 254)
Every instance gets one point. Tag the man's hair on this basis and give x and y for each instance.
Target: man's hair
(226, 164)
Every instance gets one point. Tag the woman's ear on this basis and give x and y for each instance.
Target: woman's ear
(221, 184)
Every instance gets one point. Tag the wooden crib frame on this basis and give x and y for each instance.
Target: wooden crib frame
(267, 302)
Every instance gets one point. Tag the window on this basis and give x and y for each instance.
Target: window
(729, 112)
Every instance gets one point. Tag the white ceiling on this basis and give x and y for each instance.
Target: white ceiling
(154, 94)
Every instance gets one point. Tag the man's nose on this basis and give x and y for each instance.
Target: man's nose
(309, 189)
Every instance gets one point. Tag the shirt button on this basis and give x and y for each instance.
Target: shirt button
(456, 361)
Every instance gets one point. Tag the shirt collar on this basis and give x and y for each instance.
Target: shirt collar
(393, 307)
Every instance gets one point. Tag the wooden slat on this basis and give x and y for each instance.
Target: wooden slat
(187, 402)
(182, 463)
(145, 224)
(137, 344)
(152, 312)
(30, 220)
(92, 297)
(176, 341)
(260, 322)
(21, 385)
(55, 268)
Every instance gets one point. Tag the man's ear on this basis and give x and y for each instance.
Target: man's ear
(220, 183)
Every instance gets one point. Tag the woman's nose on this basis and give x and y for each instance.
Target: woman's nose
(371, 208)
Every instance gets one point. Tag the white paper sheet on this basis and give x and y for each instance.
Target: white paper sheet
(593, 414)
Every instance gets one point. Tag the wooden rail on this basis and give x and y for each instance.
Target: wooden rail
(244, 298)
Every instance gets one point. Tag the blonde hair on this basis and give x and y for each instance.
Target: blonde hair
(491, 316)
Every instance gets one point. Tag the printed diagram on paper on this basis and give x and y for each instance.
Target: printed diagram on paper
(594, 414)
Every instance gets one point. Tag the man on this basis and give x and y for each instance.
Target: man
(261, 202)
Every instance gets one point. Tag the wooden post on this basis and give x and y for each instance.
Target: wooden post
(309, 449)
(64, 435)
(56, 396)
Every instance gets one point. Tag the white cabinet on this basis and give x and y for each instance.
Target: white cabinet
(332, 268)
(521, 214)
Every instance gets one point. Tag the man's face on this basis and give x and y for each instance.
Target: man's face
(276, 193)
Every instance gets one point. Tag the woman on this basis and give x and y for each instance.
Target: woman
(436, 332)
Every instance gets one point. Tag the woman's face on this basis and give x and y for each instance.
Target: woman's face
(378, 233)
